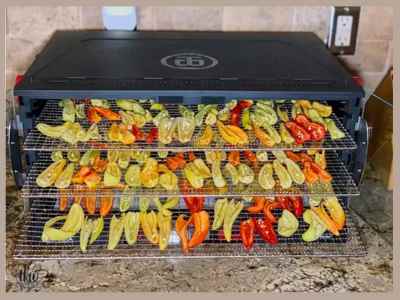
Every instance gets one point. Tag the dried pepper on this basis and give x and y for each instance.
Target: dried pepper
(115, 232)
(258, 205)
(219, 213)
(201, 225)
(232, 211)
(247, 229)
(265, 229)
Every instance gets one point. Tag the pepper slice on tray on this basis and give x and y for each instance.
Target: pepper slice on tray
(259, 202)
(268, 211)
(265, 229)
(299, 133)
(247, 229)
(316, 131)
(234, 158)
(323, 175)
(297, 203)
(181, 226)
(194, 204)
(201, 225)
(152, 135)
(93, 116)
(106, 203)
(107, 113)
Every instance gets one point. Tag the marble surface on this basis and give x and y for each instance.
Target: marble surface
(372, 273)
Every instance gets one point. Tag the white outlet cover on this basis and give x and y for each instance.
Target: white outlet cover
(344, 26)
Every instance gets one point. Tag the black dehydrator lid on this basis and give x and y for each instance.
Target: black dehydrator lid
(117, 63)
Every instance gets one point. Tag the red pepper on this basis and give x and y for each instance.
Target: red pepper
(258, 206)
(284, 202)
(297, 203)
(250, 156)
(268, 211)
(265, 229)
(107, 113)
(299, 133)
(191, 156)
(247, 233)
(93, 116)
(235, 115)
(194, 204)
(139, 135)
(245, 104)
(316, 131)
(152, 135)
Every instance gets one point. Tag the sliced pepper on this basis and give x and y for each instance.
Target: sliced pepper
(323, 175)
(297, 204)
(86, 231)
(298, 133)
(287, 224)
(259, 202)
(115, 232)
(234, 158)
(152, 135)
(285, 135)
(323, 110)
(335, 211)
(265, 229)
(98, 226)
(232, 211)
(63, 199)
(181, 226)
(131, 227)
(90, 203)
(269, 206)
(309, 174)
(106, 203)
(107, 113)
(330, 224)
(93, 116)
(247, 229)
(164, 224)
(250, 156)
(334, 131)
(201, 225)
(219, 213)
(148, 222)
(320, 159)
(194, 204)
(317, 226)
(316, 131)
(263, 137)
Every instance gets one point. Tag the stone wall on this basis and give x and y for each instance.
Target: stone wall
(29, 28)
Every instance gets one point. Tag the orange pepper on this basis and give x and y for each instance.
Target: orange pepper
(191, 156)
(78, 190)
(99, 165)
(84, 171)
(258, 206)
(264, 138)
(201, 224)
(181, 226)
(332, 226)
(234, 158)
(176, 162)
(305, 157)
(107, 113)
(63, 200)
(90, 203)
(93, 116)
(77, 178)
(309, 174)
(250, 156)
(92, 179)
(293, 156)
(323, 175)
(268, 213)
(106, 203)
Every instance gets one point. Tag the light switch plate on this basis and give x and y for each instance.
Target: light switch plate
(343, 29)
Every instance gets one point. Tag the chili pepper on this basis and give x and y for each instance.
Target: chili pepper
(234, 158)
(330, 224)
(293, 156)
(191, 156)
(93, 116)
(107, 113)
(90, 204)
(181, 230)
(176, 162)
(99, 165)
(297, 203)
(268, 211)
(194, 204)
(247, 233)
(316, 131)
(152, 135)
(106, 203)
(251, 156)
(265, 229)
(323, 175)
(299, 133)
(201, 224)
(63, 199)
(309, 174)
(284, 202)
(258, 206)
(139, 135)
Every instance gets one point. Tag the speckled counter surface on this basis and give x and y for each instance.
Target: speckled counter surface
(370, 273)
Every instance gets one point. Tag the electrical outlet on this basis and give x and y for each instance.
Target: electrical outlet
(343, 30)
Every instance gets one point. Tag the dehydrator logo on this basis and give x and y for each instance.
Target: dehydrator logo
(189, 61)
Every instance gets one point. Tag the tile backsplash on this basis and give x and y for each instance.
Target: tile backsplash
(29, 28)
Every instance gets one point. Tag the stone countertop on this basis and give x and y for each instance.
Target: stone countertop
(372, 273)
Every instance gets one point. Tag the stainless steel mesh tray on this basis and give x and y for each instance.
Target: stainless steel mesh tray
(341, 185)
(52, 115)
(29, 245)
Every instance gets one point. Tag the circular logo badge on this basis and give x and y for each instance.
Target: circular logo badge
(189, 61)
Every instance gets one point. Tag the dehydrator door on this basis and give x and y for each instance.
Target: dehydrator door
(187, 61)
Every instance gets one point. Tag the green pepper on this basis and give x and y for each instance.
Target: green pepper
(91, 134)
(86, 231)
(203, 110)
(334, 131)
(284, 177)
(246, 122)
(56, 155)
(131, 227)
(161, 115)
(219, 213)
(317, 226)
(68, 113)
(285, 135)
(273, 133)
(287, 224)
(131, 105)
(64, 180)
(262, 155)
(71, 132)
(224, 114)
(315, 117)
(132, 176)
(211, 118)
(125, 200)
(112, 175)
(113, 155)
(283, 115)
(157, 106)
(144, 203)
(80, 111)
(51, 131)
(123, 159)
(265, 177)
(115, 232)
(162, 154)
(100, 103)
(218, 179)
(246, 174)
(171, 202)
(164, 224)
(74, 155)
(232, 211)
(185, 112)
(232, 172)
(295, 172)
(98, 226)
(47, 177)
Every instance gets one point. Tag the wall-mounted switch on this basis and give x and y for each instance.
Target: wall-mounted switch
(343, 30)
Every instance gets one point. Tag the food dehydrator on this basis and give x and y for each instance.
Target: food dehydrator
(190, 69)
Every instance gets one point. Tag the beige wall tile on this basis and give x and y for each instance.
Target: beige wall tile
(371, 81)
(20, 54)
(370, 56)
(269, 18)
(376, 23)
(312, 18)
(91, 17)
(145, 20)
(187, 18)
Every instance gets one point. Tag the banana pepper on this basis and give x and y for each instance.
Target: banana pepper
(232, 211)
(219, 213)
